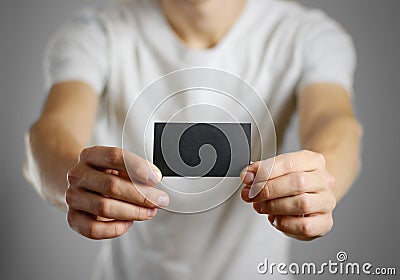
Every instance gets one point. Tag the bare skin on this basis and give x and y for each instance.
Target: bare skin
(302, 191)
(92, 185)
(201, 24)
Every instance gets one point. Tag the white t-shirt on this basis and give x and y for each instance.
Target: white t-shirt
(278, 47)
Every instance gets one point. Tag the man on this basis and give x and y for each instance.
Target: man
(101, 60)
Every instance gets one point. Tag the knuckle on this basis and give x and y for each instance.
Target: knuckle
(329, 205)
(269, 207)
(93, 231)
(74, 175)
(114, 156)
(306, 152)
(306, 228)
(119, 230)
(111, 185)
(301, 181)
(266, 191)
(101, 207)
(331, 181)
(320, 158)
(85, 153)
(333, 204)
(71, 221)
(70, 196)
(141, 171)
(304, 204)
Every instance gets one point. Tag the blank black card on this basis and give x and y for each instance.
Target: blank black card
(231, 141)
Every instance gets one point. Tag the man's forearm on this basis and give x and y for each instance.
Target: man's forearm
(50, 152)
(338, 139)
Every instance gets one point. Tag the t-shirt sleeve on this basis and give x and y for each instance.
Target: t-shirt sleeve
(328, 53)
(78, 52)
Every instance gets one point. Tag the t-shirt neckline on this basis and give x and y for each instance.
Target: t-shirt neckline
(156, 19)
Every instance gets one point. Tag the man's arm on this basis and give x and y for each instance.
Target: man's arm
(299, 190)
(56, 139)
(328, 126)
(92, 184)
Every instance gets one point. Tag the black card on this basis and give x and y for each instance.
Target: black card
(202, 149)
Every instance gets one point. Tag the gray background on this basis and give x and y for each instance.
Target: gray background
(35, 240)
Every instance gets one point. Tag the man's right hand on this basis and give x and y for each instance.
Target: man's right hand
(103, 201)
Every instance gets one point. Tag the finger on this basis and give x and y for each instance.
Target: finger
(123, 161)
(118, 187)
(87, 225)
(286, 163)
(246, 176)
(282, 165)
(303, 204)
(306, 227)
(289, 185)
(99, 205)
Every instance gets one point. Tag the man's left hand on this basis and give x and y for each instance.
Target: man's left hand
(295, 190)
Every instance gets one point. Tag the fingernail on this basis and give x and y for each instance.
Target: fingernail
(128, 224)
(163, 201)
(275, 222)
(248, 178)
(254, 191)
(152, 212)
(155, 176)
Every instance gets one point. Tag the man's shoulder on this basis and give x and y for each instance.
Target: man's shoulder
(290, 13)
(105, 15)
